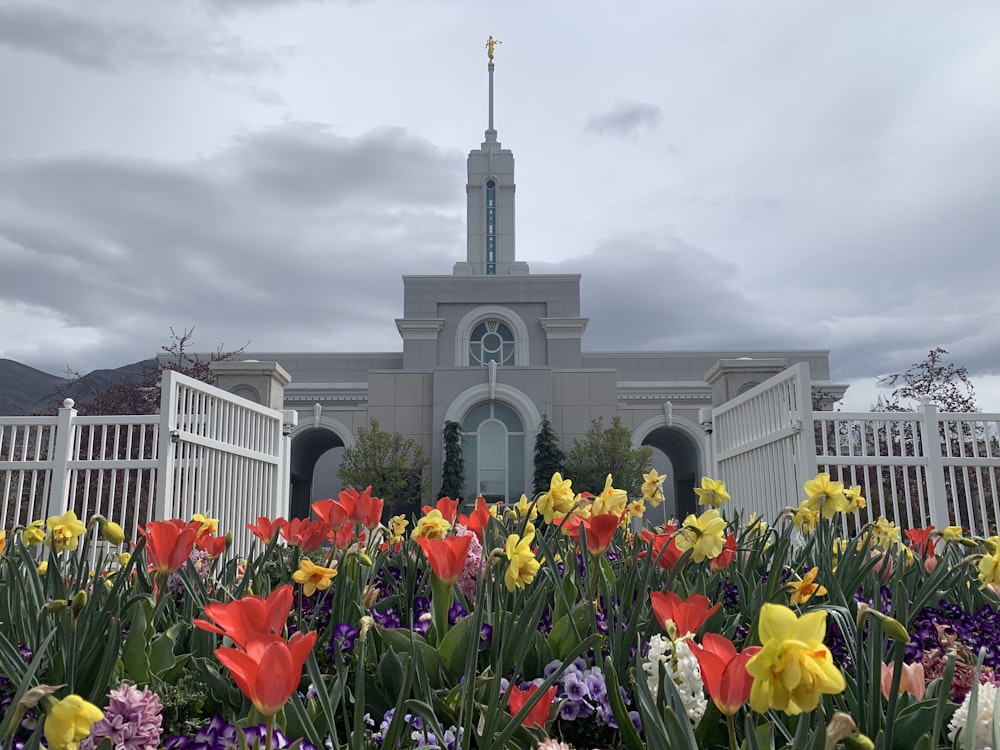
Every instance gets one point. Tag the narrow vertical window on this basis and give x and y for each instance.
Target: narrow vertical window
(491, 228)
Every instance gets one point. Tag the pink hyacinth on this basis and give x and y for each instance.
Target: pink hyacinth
(132, 721)
(473, 563)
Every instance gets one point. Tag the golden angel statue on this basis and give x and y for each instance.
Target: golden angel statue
(491, 45)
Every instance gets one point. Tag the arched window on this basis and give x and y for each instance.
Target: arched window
(493, 450)
(491, 340)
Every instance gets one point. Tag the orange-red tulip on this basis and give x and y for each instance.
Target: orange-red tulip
(539, 713)
(911, 681)
(250, 618)
(724, 671)
(333, 512)
(687, 614)
(169, 543)
(446, 556)
(477, 520)
(268, 671)
(600, 530)
(213, 545)
(301, 532)
(664, 546)
(725, 558)
(265, 528)
(362, 508)
(448, 508)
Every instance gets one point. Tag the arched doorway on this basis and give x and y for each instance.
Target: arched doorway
(494, 449)
(316, 453)
(681, 443)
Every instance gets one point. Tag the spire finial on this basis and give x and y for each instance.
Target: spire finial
(491, 45)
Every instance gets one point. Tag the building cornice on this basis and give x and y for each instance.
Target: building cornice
(564, 328)
(419, 328)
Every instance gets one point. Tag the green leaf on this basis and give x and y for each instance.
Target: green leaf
(571, 629)
(454, 648)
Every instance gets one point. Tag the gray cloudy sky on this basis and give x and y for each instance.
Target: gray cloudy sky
(724, 175)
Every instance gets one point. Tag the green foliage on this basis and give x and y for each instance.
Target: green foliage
(391, 464)
(549, 456)
(606, 451)
(453, 468)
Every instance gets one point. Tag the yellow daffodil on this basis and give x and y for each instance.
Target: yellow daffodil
(855, 501)
(558, 500)
(704, 534)
(652, 487)
(951, 533)
(756, 526)
(431, 525)
(793, 667)
(397, 529)
(123, 559)
(805, 518)
(313, 577)
(522, 565)
(802, 591)
(65, 531)
(113, 533)
(636, 509)
(610, 501)
(3, 540)
(885, 533)
(208, 525)
(712, 492)
(524, 508)
(989, 570)
(825, 496)
(43, 567)
(34, 533)
(68, 722)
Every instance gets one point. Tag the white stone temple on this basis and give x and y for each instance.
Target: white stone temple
(494, 347)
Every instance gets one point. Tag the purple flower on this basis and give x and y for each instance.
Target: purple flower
(132, 720)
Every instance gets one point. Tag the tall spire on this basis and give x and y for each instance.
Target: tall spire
(490, 195)
(491, 45)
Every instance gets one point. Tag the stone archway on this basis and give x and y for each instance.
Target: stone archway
(683, 443)
(310, 442)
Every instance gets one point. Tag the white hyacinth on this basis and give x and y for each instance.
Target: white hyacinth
(682, 667)
(985, 704)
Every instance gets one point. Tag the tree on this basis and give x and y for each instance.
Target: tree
(607, 451)
(945, 384)
(391, 464)
(549, 456)
(141, 395)
(453, 468)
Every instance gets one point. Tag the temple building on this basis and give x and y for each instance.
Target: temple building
(494, 347)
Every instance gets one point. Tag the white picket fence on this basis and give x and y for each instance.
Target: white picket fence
(914, 468)
(208, 451)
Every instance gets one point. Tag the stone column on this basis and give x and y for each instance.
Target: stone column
(731, 377)
(261, 382)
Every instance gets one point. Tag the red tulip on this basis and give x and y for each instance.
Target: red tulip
(725, 558)
(265, 528)
(309, 535)
(664, 546)
(477, 520)
(687, 614)
(600, 530)
(332, 512)
(213, 545)
(448, 507)
(921, 541)
(362, 508)
(724, 672)
(169, 543)
(250, 618)
(539, 713)
(446, 556)
(269, 670)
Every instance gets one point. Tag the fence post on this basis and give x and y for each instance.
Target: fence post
(282, 498)
(937, 495)
(58, 501)
(165, 461)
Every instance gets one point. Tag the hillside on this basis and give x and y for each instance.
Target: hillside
(25, 390)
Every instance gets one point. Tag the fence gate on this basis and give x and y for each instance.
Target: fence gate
(222, 455)
(763, 445)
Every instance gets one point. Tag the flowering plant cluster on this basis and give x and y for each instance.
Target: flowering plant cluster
(566, 620)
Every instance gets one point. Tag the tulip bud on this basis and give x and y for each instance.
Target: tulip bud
(366, 624)
(229, 539)
(370, 597)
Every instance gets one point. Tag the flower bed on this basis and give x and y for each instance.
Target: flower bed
(559, 622)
